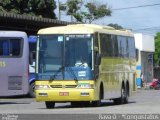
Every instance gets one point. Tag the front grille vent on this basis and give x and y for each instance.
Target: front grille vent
(63, 86)
(15, 83)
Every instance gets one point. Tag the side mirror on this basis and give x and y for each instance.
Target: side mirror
(96, 49)
(30, 58)
(97, 56)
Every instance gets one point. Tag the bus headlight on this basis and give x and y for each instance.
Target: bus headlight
(38, 87)
(85, 85)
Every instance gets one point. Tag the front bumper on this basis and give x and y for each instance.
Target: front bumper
(65, 95)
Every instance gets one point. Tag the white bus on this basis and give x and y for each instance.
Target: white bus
(14, 63)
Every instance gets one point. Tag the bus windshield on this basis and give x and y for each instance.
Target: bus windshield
(50, 53)
(62, 53)
(78, 50)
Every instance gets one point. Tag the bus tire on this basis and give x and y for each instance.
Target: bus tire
(124, 97)
(86, 103)
(96, 103)
(32, 90)
(76, 104)
(49, 105)
(127, 94)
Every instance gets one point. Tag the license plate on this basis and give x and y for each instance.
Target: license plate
(63, 93)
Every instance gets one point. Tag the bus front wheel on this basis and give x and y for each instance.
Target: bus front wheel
(32, 90)
(96, 103)
(50, 105)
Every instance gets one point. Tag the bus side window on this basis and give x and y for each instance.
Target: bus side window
(5, 48)
(106, 45)
(96, 41)
(115, 45)
(96, 48)
(137, 54)
(15, 47)
(31, 58)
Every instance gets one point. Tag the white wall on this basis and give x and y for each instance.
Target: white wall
(144, 42)
(146, 46)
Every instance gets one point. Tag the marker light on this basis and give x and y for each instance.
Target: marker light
(85, 85)
(38, 87)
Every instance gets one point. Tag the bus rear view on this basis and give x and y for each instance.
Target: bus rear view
(14, 53)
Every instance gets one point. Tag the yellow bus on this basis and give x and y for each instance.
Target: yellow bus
(83, 64)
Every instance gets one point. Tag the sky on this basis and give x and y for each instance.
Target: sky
(141, 19)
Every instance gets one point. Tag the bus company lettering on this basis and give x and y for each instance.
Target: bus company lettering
(107, 117)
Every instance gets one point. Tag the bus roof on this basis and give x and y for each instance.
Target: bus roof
(12, 34)
(84, 29)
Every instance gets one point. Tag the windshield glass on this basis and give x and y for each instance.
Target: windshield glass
(78, 50)
(50, 53)
(65, 56)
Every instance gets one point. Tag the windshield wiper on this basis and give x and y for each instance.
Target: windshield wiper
(72, 72)
(59, 70)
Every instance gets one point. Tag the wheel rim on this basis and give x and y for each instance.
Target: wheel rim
(123, 95)
(33, 88)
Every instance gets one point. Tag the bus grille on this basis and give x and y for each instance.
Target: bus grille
(15, 83)
(63, 86)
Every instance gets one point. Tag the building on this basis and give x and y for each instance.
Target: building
(145, 46)
(27, 23)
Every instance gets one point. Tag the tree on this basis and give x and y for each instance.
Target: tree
(157, 49)
(116, 26)
(73, 7)
(86, 13)
(41, 8)
(96, 11)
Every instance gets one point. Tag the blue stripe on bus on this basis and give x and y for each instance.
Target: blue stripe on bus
(138, 67)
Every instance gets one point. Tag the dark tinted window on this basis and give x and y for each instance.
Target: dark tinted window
(115, 45)
(11, 47)
(32, 48)
(106, 45)
(122, 46)
(96, 40)
(132, 50)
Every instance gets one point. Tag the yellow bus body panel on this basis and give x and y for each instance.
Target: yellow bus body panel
(64, 94)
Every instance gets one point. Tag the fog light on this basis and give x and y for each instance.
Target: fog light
(85, 86)
(84, 93)
(38, 87)
(43, 94)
